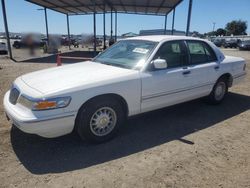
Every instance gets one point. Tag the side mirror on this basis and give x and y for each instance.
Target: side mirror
(160, 64)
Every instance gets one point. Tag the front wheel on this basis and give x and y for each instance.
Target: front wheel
(99, 120)
(219, 92)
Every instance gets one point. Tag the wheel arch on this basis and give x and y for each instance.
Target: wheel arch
(228, 77)
(112, 96)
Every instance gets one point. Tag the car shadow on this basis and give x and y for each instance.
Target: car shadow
(67, 153)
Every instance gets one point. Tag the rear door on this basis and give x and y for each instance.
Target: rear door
(203, 66)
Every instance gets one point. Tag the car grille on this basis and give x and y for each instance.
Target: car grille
(14, 94)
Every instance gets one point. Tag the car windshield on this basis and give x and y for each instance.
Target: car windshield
(131, 54)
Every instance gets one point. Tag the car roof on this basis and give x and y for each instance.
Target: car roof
(162, 38)
(165, 38)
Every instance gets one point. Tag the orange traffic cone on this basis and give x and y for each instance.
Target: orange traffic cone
(58, 60)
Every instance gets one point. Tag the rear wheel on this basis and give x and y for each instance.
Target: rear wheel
(99, 119)
(219, 91)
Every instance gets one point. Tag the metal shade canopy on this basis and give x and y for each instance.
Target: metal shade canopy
(78, 7)
(85, 7)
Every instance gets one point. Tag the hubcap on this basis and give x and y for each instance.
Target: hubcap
(220, 91)
(103, 121)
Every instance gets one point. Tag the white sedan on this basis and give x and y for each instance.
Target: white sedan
(133, 76)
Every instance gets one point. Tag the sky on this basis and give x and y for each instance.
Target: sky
(24, 17)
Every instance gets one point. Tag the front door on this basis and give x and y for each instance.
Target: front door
(166, 87)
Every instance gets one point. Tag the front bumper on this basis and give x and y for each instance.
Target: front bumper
(47, 126)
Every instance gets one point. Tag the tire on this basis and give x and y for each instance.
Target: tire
(219, 92)
(99, 120)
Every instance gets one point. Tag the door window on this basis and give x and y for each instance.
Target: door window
(173, 52)
(200, 52)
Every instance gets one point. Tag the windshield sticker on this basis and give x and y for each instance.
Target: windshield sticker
(140, 50)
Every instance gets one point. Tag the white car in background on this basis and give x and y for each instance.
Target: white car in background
(133, 76)
(3, 48)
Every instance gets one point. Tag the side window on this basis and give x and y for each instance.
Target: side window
(200, 52)
(173, 52)
(210, 53)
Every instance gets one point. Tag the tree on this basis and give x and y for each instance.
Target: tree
(236, 27)
(211, 33)
(221, 32)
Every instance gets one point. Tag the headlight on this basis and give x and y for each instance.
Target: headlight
(46, 104)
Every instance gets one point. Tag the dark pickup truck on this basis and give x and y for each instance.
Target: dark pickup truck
(24, 44)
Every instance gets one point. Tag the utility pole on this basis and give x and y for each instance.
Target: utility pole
(213, 26)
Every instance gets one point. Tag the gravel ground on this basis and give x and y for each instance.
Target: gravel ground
(187, 145)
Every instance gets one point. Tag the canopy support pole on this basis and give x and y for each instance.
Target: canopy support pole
(94, 25)
(68, 30)
(115, 26)
(111, 24)
(104, 29)
(173, 21)
(189, 16)
(6, 29)
(94, 33)
(165, 26)
(46, 24)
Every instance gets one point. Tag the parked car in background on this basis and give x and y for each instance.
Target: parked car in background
(244, 45)
(25, 43)
(3, 48)
(231, 43)
(134, 76)
(218, 42)
(65, 41)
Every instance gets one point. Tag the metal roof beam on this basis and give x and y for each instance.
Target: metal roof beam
(129, 5)
(142, 6)
(82, 4)
(147, 4)
(162, 2)
(121, 12)
(135, 6)
(111, 5)
(66, 3)
(67, 10)
(123, 6)
(84, 7)
(96, 5)
(30, 1)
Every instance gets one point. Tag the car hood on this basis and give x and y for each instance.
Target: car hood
(83, 75)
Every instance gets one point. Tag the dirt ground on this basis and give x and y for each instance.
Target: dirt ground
(187, 145)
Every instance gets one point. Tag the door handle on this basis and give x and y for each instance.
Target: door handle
(186, 72)
(216, 67)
